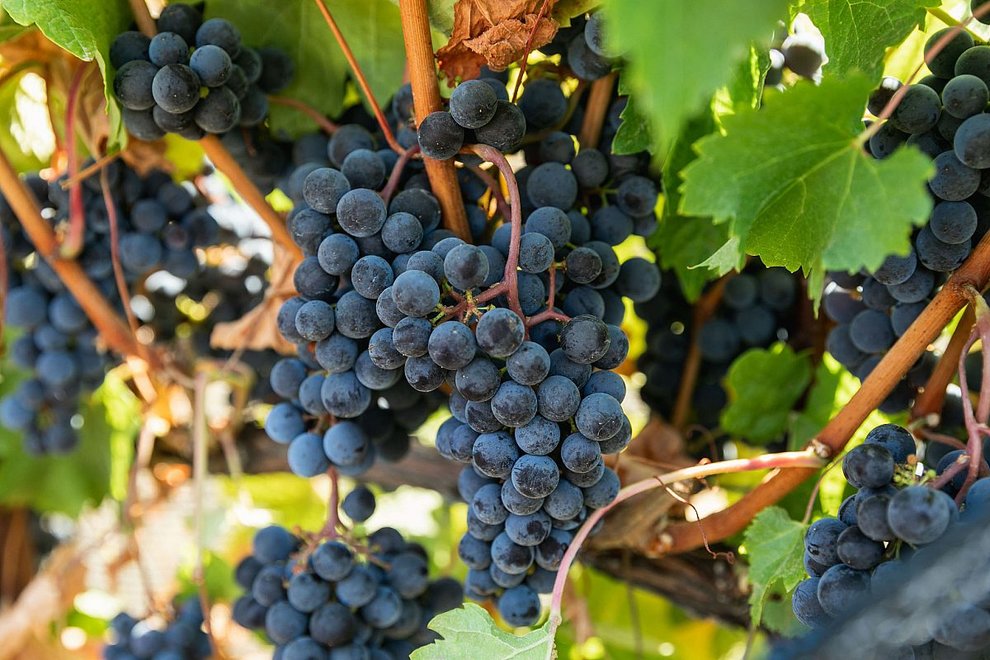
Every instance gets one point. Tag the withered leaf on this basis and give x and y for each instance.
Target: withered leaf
(496, 33)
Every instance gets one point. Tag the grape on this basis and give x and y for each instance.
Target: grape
(402, 232)
(529, 364)
(307, 592)
(897, 269)
(219, 111)
(212, 64)
(323, 188)
(462, 444)
(516, 502)
(419, 203)
(332, 561)
(871, 516)
(599, 416)
(127, 47)
(175, 88)
(918, 110)
(565, 502)
(974, 61)
(551, 184)
(364, 169)
(345, 396)
(361, 212)
(871, 332)
(487, 505)
(803, 54)
(303, 648)
(475, 553)
(585, 339)
(500, 332)
(916, 289)
(539, 436)
(473, 104)
(821, 539)
(590, 167)
(535, 253)
(918, 514)
(514, 405)
(937, 255)
(858, 551)
(310, 395)
(358, 588)
(337, 353)
(415, 293)
(943, 64)
(465, 266)
(371, 275)
(133, 85)
(478, 380)
(840, 586)
(359, 504)
(561, 365)
(895, 439)
(423, 374)
(953, 222)
(603, 492)
(805, 604)
(219, 32)
(493, 454)
(511, 557)
(965, 628)
(542, 103)
(313, 282)
(315, 320)
(452, 345)
(558, 147)
(535, 476)
(868, 466)
(964, 96)
(306, 456)
(408, 574)
(528, 530)
(955, 181)
(411, 336)
(284, 423)
(337, 254)
(558, 398)
(439, 136)
(168, 48)
(356, 316)
(273, 544)
(550, 553)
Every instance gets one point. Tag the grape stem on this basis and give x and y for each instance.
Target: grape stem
(975, 423)
(973, 274)
(87, 172)
(321, 120)
(360, 78)
(418, 41)
(529, 48)
(112, 329)
(936, 48)
(793, 459)
(143, 17)
(500, 203)
(396, 175)
(549, 314)
(72, 244)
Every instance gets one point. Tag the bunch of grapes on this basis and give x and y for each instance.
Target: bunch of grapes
(337, 599)
(882, 531)
(182, 638)
(160, 224)
(757, 308)
(944, 116)
(194, 77)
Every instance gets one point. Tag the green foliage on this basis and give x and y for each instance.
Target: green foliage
(680, 53)
(799, 191)
(373, 32)
(290, 499)
(763, 386)
(857, 34)
(682, 242)
(96, 469)
(633, 135)
(469, 632)
(775, 546)
(745, 90)
(86, 29)
(25, 154)
(833, 387)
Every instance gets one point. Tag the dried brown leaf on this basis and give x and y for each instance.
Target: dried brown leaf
(494, 32)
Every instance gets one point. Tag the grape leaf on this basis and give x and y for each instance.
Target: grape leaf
(763, 386)
(797, 188)
(858, 33)
(372, 29)
(633, 135)
(679, 53)
(775, 546)
(683, 242)
(86, 29)
(469, 632)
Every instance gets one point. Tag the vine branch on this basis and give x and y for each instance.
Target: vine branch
(933, 397)
(973, 274)
(426, 99)
(596, 110)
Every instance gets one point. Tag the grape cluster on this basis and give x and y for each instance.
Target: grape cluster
(182, 638)
(332, 599)
(160, 223)
(194, 77)
(757, 308)
(881, 531)
(802, 52)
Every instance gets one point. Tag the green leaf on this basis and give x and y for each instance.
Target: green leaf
(833, 387)
(372, 29)
(745, 90)
(633, 135)
(775, 546)
(20, 135)
(469, 632)
(797, 188)
(857, 34)
(86, 29)
(679, 53)
(763, 386)
(683, 242)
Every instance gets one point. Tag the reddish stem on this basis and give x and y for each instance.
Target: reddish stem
(529, 48)
(549, 313)
(957, 466)
(974, 445)
(495, 157)
(321, 120)
(118, 269)
(73, 243)
(932, 436)
(396, 175)
(359, 77)
(932, 398)
(329, 530)
(792, 459)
